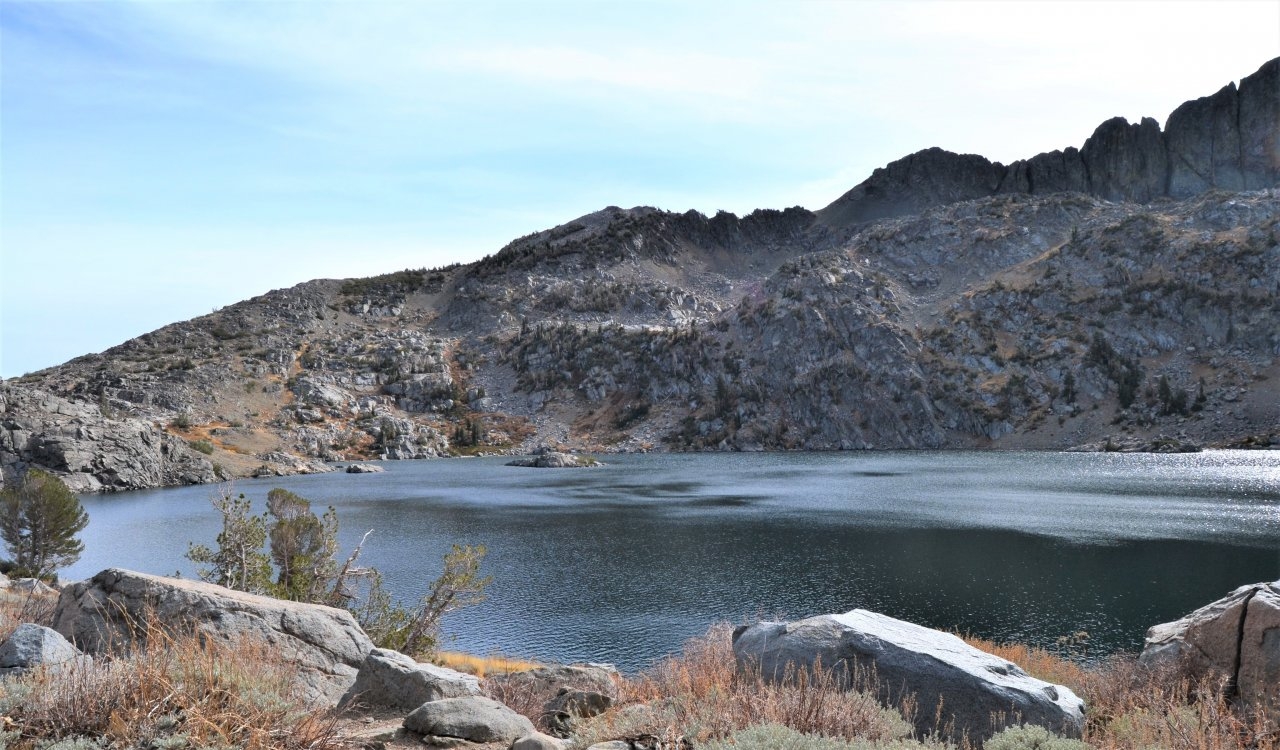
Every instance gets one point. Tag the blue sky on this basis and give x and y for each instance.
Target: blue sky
(162, 159)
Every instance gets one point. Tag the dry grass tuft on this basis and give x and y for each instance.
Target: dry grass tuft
(1037, 662)
(17, 608)
(175, 690)
(1132, 707)
(480, 666)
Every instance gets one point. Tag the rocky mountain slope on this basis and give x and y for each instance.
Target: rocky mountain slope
(1127, 291)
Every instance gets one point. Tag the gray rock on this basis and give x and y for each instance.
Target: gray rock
(31, 587)
(978, 694)
(549, 681)
(390, 678)
(325, 644)
(472, 718)
(33, 646)
(538, 741)
(555, 460)
(364, 469)
(564, 711)
(1234, 637)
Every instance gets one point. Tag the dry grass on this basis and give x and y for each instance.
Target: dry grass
(177, 690)
(481, 666)
(701, 695)
(1132, 707)
(18, 608)
(1037, 662)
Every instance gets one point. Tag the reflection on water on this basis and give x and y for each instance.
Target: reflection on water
(623, 563)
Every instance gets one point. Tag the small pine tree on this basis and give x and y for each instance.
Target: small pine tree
(302, 547)
(39, 520)
(239, 562)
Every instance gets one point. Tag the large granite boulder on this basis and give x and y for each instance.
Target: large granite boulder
(1236, 637)
(472, 718)
(977, 693)
(112, 609)
(31, 646)
(390, 678)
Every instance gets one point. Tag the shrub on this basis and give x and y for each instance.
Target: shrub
(781, 737)
(1031, 737)
(202, 446)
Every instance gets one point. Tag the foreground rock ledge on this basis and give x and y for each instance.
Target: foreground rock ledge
(979, 694)
(113, 608)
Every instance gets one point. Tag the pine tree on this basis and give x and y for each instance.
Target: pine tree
(302, 547)
(39, 521)
(238, 562)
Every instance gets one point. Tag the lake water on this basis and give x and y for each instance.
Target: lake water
(623, 563)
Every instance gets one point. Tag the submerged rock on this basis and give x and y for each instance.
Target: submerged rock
(364, 469)
(556, 460)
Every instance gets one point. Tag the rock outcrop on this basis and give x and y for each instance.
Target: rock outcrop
(116, 606)
(89, 451)
(1227, 141)
(975, 693)
(390, 678)
(473, 718)
(1236, 637)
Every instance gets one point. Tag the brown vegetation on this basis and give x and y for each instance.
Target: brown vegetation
(174, 690)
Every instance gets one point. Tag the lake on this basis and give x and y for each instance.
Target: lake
(625, 562)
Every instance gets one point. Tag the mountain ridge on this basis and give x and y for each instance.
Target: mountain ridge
(1017, 318)
(1226, 141)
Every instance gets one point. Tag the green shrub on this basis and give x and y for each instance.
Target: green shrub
(1031, 737)
(203, 446)
(780, 737)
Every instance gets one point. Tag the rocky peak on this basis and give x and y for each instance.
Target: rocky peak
(1230, 141)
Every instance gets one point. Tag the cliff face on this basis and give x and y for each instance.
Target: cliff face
(1128, 289)
(1228, 141)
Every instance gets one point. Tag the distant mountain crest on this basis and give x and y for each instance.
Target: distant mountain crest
(1229, 141)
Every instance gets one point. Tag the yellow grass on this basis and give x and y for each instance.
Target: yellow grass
(1037, 662)
(483, 665)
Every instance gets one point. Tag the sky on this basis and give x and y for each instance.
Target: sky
(159, 160)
